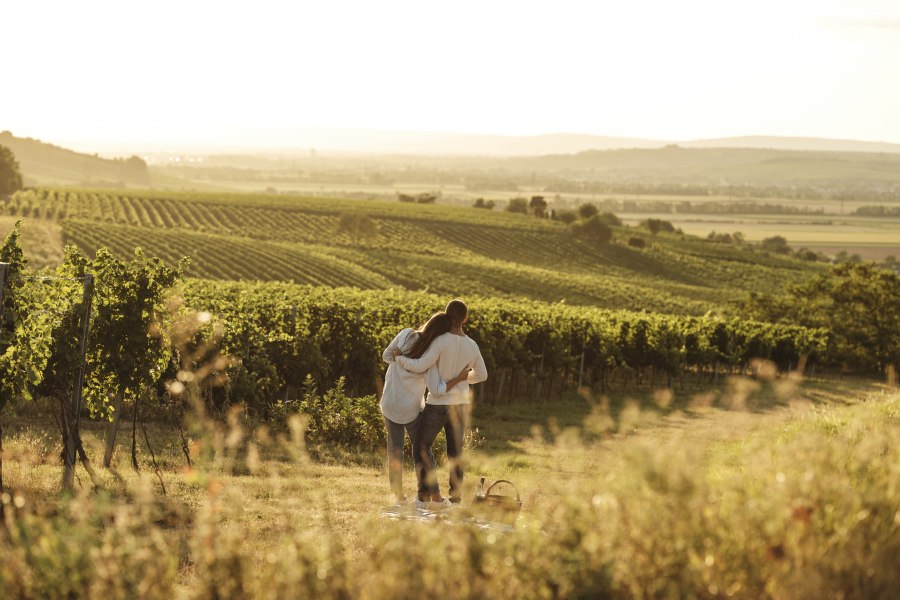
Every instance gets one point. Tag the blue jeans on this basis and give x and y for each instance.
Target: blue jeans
(395, 443)
(453, 419)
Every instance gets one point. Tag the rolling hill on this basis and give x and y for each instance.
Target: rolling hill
(612, 161)
(382, 245)
(755, 166)
(42, 163)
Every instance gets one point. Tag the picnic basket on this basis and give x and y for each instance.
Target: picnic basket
(497, 503)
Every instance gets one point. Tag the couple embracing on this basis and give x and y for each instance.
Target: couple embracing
(441, 357)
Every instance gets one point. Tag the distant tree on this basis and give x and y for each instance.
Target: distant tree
(538, 206)
(566, 216)
(806, 254)
(593, 229)
(426, 198)
(587, 210)
(405, 197)
(776, 244)
(657, 225)
(721, 238)
(136, 164)
(357, 225)
(10, 176)
(518, 205)
(480, 203)
(611, 219)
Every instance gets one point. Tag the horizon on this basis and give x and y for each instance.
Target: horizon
(355, 145)
(652, 71)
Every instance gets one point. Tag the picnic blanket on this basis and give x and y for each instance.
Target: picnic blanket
(454, 515)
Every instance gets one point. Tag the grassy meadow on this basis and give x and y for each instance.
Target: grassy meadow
(769, 488)
(871, 238)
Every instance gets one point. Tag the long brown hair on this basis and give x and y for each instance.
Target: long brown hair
(438, 324)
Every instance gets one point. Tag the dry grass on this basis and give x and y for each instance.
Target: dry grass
(639, 482)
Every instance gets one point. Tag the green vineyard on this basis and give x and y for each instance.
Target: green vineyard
(380, 245)
(278, 336)
(296, 331)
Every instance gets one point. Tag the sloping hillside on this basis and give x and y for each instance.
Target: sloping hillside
(721, 166)
(378, 245)
(43, 164)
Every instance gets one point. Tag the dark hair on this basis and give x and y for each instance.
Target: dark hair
(457, 311)
(438, 324)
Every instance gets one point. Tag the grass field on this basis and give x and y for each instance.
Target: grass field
(791, 493)
(871, 238)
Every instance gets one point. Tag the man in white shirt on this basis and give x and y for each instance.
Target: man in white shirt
(451, 352)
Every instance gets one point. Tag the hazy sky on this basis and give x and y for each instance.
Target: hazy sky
(194, 71)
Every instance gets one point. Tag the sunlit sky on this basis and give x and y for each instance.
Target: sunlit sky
(198, 72)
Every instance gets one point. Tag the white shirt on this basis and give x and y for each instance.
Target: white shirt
(450, 353)
(403, 397)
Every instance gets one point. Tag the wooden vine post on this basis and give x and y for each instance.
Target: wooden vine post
(4, 267)
(581, 366)
(71, 415)
(87, 298)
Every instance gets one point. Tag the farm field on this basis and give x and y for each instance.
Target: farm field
(460, 194)
(379, 245)
(834, 231)
(637, 494)
(871, 238)
(831, 232)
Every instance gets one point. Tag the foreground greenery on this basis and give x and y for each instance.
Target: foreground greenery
(661, 497)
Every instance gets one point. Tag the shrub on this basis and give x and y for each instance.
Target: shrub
(336, 419)
(807, 254)
(724, 238)
(587, 210)
(611, 219)
(657, 225)
(593, 229)
(637, 242)
(518, 205)
(566, 216)
(538, 206)
(776, 244)
(357, 225)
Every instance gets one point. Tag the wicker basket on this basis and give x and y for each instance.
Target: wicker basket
(500, 507)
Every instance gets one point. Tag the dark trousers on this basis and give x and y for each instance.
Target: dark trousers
(395, 444)
(453, 419)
